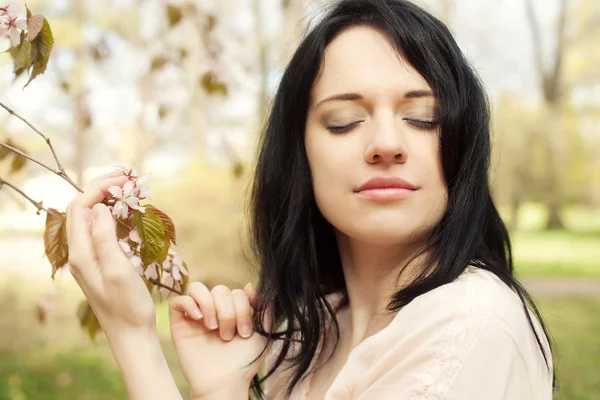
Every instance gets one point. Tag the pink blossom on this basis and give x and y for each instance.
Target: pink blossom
(10, 24)
(126, 199)
(152, 272)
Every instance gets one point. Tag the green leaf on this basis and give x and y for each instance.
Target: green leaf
(167, 222)
(55, 240)
(41, 47)
(174, 14)
(22, 55)
(158, 62)
(4, 152)
(211, 85)
(155, 239)
(17, 164)
(211, 22)
(87, 319)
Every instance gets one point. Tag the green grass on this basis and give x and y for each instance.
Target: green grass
(574, 322)
(574, 251)
(557, 253)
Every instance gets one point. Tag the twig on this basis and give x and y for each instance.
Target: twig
(162, 285)
(37, 204)
(61, 171)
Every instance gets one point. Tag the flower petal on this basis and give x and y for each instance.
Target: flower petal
(146, 193)
(151, 272)
(139, 208)
(128, 188)
(125, 247)
(116, 191)
(134, 235)
(142, 179)
(21, 24)
(15, 36)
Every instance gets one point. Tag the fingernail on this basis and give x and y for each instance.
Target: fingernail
(212, 324)
(197, 314)
(99, 210)
(246, 331)
(228, 335)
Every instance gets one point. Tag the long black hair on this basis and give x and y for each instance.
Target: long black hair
(296, 247)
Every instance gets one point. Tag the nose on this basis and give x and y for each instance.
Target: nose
(386, 144)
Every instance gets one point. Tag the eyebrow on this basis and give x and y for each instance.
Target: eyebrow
(413, 94)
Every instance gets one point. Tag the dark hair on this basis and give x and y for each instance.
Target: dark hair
(295, 246)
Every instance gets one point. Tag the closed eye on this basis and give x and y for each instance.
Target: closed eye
(343, 128)
(423, 123)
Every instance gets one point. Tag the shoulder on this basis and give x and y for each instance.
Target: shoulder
(477, 294)
(476, 307)
(468, 336)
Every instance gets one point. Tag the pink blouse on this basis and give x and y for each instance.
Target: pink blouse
(466, 340)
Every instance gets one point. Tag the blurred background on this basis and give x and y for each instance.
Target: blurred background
(181, 88)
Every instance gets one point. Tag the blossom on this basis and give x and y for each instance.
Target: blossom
(152, 272)
(133, 256)
(9, 9)
(126, 199)
(10, 24)
(174, 265)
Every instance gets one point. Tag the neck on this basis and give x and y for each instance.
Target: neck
(373, 273)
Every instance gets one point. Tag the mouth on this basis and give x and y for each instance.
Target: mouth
(386, 189)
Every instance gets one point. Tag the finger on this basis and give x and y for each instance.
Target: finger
(225, 311)
(267, 313)
(79, 218)
(82, 263)
(182, 306)
(201, 295)
(242, 310)
(97, 190)
(113, 262)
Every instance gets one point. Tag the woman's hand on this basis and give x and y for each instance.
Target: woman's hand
(214, 339)
(116, 293)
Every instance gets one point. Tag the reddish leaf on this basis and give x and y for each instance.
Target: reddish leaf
(35, 24)
(55, 240)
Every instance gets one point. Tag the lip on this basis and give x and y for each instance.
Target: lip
(386, 189)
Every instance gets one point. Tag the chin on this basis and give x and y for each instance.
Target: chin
(390, 233)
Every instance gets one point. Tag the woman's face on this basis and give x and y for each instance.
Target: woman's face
(372, 115)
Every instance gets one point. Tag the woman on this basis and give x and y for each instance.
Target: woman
(384, 265)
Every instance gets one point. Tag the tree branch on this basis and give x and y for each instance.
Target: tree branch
(37, 204)
(162, 285)
(61, 171)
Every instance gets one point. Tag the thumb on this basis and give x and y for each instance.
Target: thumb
(104, 239)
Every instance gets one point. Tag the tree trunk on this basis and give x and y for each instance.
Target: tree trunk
(551, 87)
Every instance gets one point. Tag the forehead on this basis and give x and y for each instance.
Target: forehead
(363, 59)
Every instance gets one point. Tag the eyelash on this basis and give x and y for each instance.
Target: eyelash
(417, 123)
